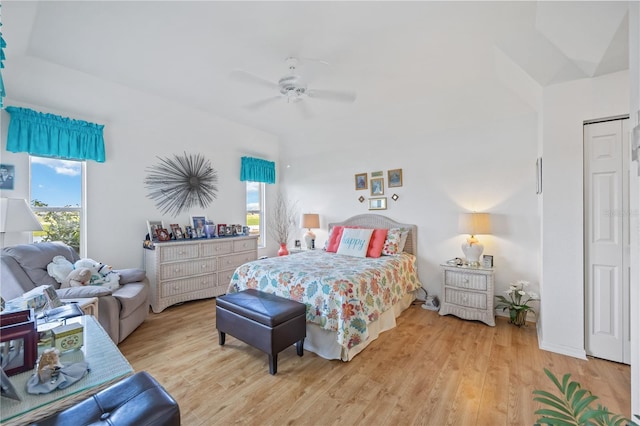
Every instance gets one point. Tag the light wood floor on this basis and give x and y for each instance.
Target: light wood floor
(429, 370)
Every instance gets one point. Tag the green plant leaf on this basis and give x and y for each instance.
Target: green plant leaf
(556, 415)
(555, 422)
(555, 402)
(572, 388)
(553, 379)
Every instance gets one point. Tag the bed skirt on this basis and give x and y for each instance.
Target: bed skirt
(323, 342)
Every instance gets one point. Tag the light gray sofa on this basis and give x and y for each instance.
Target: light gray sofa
(24, 267)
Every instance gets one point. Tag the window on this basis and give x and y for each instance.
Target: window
(255, 210)
(56, 198)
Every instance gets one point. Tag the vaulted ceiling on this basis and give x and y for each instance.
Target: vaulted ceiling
(403, 59)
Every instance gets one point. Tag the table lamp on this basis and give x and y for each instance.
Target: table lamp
(473, 224)
(16, 216)
(310, 220)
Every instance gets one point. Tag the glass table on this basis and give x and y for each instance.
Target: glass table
(106, 363)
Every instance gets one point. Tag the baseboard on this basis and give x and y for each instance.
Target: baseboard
(561, 349)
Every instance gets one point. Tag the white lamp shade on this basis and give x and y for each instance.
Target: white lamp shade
(16, 216)
(310, 220)
(474, 223)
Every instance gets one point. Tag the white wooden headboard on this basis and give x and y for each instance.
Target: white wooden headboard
(379, 221)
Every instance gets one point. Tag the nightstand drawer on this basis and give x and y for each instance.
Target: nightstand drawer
(465, 298)
(465, 279)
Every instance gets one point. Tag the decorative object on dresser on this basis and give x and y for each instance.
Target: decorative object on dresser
(517, 302)
(468, 293)
(184, 270)
(198, 223)
(473, 224)
(152, 226)
(16, 216)
(310, 220)
(182, 182)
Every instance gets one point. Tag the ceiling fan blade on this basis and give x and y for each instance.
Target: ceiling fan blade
(303, 108)
(332, 95)
(262, 103)
(247, 77)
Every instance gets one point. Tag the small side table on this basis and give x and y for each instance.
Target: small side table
(467, 292)
(89, 305)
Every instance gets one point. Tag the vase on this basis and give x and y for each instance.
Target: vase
(283, 250)
(518, 317)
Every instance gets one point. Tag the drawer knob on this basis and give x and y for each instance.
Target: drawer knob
(203, 266)
(181, 252)
(465, 280)
(176, 270)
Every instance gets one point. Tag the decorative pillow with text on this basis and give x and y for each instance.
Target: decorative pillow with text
(355, 242)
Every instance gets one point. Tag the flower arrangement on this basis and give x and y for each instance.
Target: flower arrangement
(517, 302)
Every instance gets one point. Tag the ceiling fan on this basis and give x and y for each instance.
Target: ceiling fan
(291, 87)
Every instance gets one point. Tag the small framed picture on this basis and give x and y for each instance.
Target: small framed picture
(176, 231)
(487, 261)
(188, 231)
(198, 225)
(378, 203)
(7, 174)
(394, 178)
(152, 226)
(18, 341)
(376, 174)
(361, 181)
(163, 234)
(377, 186)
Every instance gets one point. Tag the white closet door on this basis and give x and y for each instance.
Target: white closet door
(606, 161)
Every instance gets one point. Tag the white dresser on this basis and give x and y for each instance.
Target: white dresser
(468, 293)
(183, 270)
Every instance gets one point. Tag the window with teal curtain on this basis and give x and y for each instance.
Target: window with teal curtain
(257, 170)
(49, 135)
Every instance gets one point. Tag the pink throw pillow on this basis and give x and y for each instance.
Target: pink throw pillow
(334, 239)
(378, 238)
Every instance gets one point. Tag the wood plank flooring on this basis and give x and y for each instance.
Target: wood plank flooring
(429, 370)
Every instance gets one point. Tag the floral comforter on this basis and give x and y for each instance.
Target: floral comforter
(342, 293)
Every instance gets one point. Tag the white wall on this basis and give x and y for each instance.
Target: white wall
(137, 129)
(565, 108)
(485, 163)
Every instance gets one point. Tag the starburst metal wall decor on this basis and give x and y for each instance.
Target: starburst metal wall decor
(181, 182)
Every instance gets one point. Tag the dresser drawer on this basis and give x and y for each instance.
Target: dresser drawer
(465, 298)
(184, 269)
(245, 245)
(189, 285)
(178, 252)
(463, 279)
(217, 248)
(235, 260)
(224, 277)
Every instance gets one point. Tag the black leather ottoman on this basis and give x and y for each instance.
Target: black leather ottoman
(263, 320)
(135, 401)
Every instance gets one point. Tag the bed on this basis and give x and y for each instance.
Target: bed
(350, 300)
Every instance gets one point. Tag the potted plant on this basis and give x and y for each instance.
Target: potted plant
(573, 406)
(517, 302)
(282, 221)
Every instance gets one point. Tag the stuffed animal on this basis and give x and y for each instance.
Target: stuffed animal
(109, 276)
(113, 282)
(59, 268)
(77, 277)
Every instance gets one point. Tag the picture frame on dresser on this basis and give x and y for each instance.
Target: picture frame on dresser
(198, 225)
(176, 230)
(487, 261)
(152, 226)
(18, 341)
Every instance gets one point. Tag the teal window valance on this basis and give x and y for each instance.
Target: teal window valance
(48, 135)
(3, 44)
(257, 170)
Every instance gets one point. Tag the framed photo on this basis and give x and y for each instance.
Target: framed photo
(18, 341)
(487, 261)
(163, 234)
(377, 186)
(188, 231)
(378, 203)
(7, 388)
(177, 231)
(152, 225)
(198, 225)
(7, 174)
(394, 178)
(376, 174)
(361, 181)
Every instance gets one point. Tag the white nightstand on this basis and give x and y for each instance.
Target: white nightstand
(468, 293)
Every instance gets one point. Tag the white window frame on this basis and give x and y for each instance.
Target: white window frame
(262, 200)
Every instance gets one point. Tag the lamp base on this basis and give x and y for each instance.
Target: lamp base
(472, 252)
(309, 240)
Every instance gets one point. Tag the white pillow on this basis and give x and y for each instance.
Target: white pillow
(355, 242)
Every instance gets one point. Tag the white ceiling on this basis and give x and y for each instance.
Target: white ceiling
(410, 59)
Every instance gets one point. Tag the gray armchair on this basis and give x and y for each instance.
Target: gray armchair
(24, 267)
